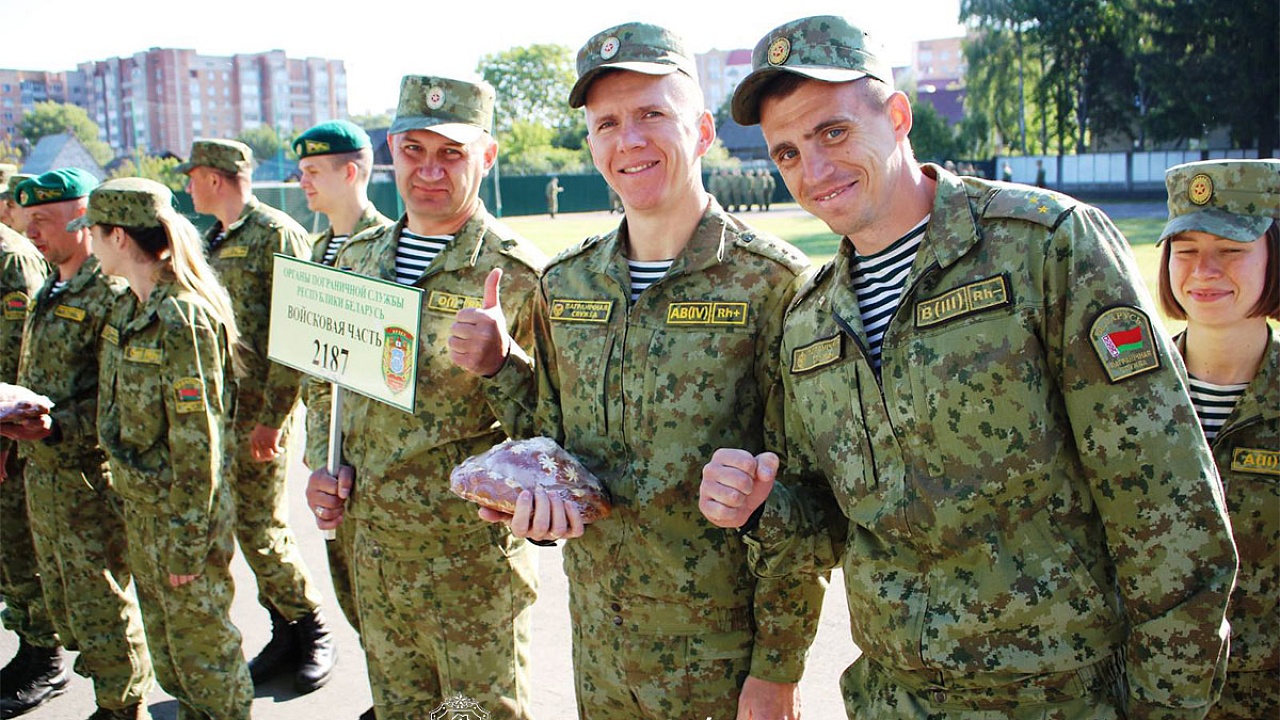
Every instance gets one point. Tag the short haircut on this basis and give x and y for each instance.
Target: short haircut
(363, 159)
(1267, 306)
(784, 84)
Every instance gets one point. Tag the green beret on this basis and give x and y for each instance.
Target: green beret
(459, 110)
(126, 202)
(331, 138)
(55, 186)
(638, 47)
(229, 156)
(1234, 199)
(824, 47)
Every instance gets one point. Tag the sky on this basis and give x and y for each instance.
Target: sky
(438, 37)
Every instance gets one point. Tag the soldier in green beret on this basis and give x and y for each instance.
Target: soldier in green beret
(445, 600)
(984, 422)
(22, 272)
(166, 362)
(656, 343)
(241, 247)
(77, 525)
(1220, 271)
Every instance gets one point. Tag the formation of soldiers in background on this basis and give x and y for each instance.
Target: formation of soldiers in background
(743, 189)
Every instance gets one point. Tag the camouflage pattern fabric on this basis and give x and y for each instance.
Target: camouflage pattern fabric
(1234, 199)
(266, 396)
(1013, 504)
(642, 394)
(414, 538)
(22, 272)
(161, 419)
(229, 156)
(75, 521)
(1247, 451)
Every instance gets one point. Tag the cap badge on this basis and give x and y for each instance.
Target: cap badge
(610, 47)
(435, 98)
(48, 193)
(23, 198)
(1200, 191)
(779, 51)
(316, 146)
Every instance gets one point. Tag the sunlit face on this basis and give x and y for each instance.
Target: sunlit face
(106, 250)
(1217, 281)
(438, 178)
(838, 151)
(47, 228)
(12, 214)
(325, 181)
(647, 133)
(200, 185)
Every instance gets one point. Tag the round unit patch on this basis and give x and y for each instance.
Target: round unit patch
(610, 47)
(1200, 191)
(435, 98)
(779, 51)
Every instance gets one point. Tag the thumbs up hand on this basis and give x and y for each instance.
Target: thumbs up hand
(478, 340)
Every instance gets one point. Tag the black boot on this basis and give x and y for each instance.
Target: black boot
(279, 655)
(316, 652)
(40, 675)
(12, 671)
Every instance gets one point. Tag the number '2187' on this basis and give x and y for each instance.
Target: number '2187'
(330, 357)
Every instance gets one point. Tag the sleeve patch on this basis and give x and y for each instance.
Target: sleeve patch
(1256, 461)
(233, 252)
(188, 394)
(16, 305)
(1123, 340)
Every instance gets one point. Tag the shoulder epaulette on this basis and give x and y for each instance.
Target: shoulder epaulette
(769, 246)
(1043, 207)
(370, 233)
(810, 283)
(578, 249)
(516, 247)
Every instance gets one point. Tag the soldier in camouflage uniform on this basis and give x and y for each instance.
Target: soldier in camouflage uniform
(769, 185)
(76, 521)
(640, 384)
(22, 272)
(445, 600)
(336, 160)
(241, 245)
(10, 212)
(165, 388)
(1220, 271)
(1027, 530)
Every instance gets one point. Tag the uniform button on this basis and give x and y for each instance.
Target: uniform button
(615, 607)
(617, 619)
(939, 696)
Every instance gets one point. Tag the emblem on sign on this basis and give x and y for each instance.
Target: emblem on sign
(397, 358)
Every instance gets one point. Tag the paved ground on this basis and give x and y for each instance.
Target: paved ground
(347, 695)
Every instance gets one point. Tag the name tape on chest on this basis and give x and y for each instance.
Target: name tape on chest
(69, 312)
(16, 305)
(188, 395)
(144, 355)
(707, 313)
(449, 303)
(233, 252)
(992, 292)
(583, 311)
(111, 334)
(1124, 343)
(817, 354)
(1256, 461)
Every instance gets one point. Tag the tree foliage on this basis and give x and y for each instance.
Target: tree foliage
(532, 83)
(163, 170)
(52, 118)
(373, 121)
(932, 139)
(265, 142)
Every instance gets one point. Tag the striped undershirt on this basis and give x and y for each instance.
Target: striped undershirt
(216, 241)
(58, 287)
(331, 252)
(1214, 404)
(415, 252)
(644, 274)
(878, 281)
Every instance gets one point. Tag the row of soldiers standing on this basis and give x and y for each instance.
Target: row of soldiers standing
(741, 190)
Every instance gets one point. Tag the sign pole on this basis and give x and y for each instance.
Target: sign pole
(335, 439)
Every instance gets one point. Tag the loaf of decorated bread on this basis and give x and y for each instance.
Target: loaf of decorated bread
(495, 478)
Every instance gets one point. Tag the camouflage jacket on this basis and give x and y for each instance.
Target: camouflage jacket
(161, 415)
(643, 394)
(1247, 450)
(22, 272)
(1019, 493)
(60, 360)
(244, 261)
(403, 460)
(315, 392)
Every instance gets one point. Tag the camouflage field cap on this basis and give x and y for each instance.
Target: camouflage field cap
(457, 109)
(1234, 199)
(126, 202)
(823, 47)
(231, 156)
(55, 186)
(331, 138)
(634, 46)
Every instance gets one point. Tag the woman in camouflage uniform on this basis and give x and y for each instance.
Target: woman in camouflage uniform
(165, 370)
(1220, 271)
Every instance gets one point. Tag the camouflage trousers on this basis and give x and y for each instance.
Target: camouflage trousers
(623, 672)
(1248, 695)
(873, 694)
(340, 552)
(24, 612)
(79, 538)
(262, 526)
(439, 627)
(195, 647)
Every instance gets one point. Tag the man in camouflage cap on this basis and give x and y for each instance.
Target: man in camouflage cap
(241, 247)
(77, 525)
(983, 423)
(445, 601)
(655, 344)
(1220, 271)
(10, 211)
